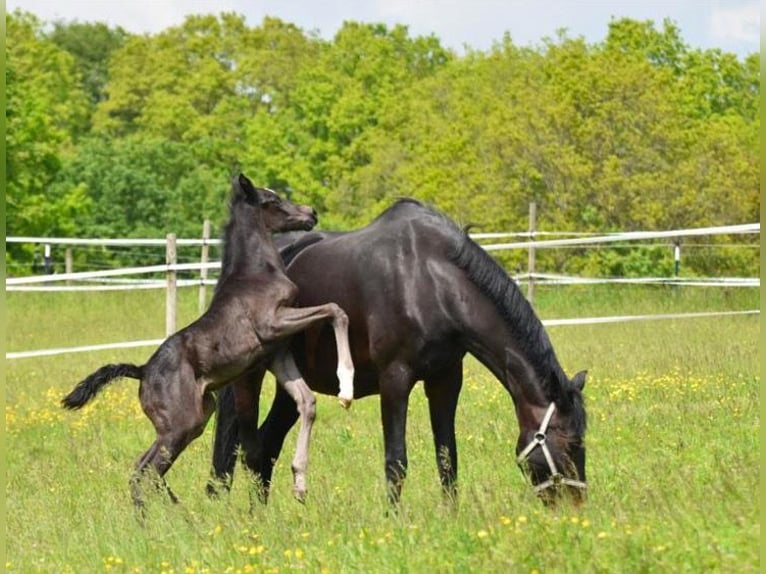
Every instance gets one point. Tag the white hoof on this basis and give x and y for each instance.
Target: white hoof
(346, 394)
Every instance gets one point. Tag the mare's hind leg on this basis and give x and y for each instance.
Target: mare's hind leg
(290, 379)
(179, 413)
(443, 391)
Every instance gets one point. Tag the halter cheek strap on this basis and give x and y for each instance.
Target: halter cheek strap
(539, 440)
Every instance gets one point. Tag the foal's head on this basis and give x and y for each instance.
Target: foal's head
(276, 214)
(551, 447)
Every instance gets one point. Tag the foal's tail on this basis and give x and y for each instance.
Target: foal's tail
(92, 384)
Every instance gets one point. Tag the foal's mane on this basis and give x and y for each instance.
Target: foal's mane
(237, 221)
(227, 243)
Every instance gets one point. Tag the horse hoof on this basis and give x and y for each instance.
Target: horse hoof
(345, 403)
(300, 496)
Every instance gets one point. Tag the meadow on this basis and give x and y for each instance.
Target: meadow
(673, 456)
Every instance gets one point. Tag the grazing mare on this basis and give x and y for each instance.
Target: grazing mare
(419, 294)
(247, 325)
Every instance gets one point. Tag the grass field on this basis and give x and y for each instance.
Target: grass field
(673, 457)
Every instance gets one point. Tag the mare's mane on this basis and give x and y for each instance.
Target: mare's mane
(522, 322)
(526, 328)
(524, 325)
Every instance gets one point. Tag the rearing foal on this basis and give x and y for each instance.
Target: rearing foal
(249, 321)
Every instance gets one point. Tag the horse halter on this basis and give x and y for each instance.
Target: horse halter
(556, 477)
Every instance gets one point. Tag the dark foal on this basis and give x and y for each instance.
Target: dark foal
(419, 294)
(247, 326)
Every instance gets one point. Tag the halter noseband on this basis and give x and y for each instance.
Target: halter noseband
(556, 477)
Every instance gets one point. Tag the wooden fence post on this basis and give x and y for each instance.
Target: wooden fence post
(47, 260)
(171, 258)
(531, 259)
(204, 256)
(68, 266)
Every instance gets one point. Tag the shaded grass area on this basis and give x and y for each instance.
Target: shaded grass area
(673, 458)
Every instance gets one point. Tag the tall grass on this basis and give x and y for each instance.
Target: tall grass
(673, 457)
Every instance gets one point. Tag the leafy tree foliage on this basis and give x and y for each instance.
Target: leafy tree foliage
(45, 111)
(91, 45)
(121, 135)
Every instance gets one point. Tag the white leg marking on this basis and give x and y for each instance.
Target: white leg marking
(346, 378)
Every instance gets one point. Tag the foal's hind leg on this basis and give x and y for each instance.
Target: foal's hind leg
(179, 412)
(271, 437)
(289, 377)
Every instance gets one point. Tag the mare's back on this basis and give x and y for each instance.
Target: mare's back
(397, 263)
(405, 233)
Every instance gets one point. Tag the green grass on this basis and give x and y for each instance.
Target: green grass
(673, 457)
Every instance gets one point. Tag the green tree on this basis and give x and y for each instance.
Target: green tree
(201, 83)
(596, 135)
(638, 131)
(143, 186)
(91, 44)
(45, 110)
(315, 142)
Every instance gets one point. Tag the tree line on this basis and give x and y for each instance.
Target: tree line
(122, 135)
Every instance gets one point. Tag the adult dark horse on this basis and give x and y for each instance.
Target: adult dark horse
(419, 294)
(249, 320)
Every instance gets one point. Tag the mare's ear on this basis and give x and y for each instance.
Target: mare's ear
(579, 380)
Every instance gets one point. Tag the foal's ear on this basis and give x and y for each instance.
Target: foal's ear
(244, 186)
(579, 380)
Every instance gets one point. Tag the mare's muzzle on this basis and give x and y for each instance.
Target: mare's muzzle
(556, 478)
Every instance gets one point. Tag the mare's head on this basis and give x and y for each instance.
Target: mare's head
(551, 447)
(276, 214)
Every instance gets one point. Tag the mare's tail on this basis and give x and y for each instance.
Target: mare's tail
(92, 384)
(226, 442)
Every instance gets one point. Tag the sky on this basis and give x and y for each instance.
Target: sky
(731, 25)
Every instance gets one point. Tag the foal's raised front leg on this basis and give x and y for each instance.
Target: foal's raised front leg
(289, 377)
(290, 320)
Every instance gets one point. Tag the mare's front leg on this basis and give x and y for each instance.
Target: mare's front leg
(290, 320)
(396, 382)
(443, 391)
(289, 377)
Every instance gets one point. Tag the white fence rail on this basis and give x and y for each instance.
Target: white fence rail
(110, 242)
(554, 279)
(747, 228)
(546, 322)
(108, 281)
(79, 276)
(44, 281)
